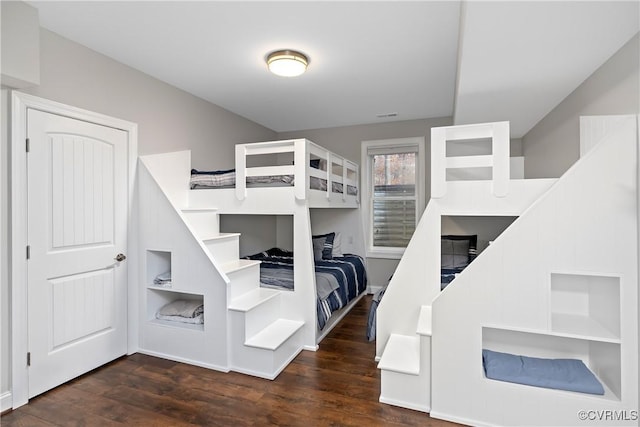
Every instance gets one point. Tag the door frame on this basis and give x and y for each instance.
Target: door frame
(20, 103)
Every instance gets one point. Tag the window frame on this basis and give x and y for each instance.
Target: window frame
(367, 187)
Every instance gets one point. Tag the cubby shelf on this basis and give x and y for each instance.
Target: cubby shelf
(582, 327)
(585, 306)
(159, 262)
(170, 324)
(601, 356)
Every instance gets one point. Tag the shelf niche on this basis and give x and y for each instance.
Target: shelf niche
(602, 358)
(158, 298)
(586, 306)
(158, 262)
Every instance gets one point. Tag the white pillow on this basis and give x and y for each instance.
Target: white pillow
(337, 245)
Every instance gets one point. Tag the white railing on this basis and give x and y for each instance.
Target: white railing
(494, 157)
(309, 161)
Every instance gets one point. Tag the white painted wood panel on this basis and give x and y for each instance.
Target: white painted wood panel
(561, 281)
(82, 305)
(82, 175)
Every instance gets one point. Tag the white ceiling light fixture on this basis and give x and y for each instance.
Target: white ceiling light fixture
(287, 63)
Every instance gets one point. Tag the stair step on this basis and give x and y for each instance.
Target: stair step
(196, 209)
(202, 221)
(224, 247)
(401, 354)
(424, 321)
(252, 299)
(274, 335)
(238, 264)
(218, 237)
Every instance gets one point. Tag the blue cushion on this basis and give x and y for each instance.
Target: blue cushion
(560, 374)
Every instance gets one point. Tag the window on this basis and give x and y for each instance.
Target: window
(393, 186)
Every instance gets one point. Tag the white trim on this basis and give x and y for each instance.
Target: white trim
(6, 401)
(20, 102)
(458, 420)
(403, 404)
(367, 190)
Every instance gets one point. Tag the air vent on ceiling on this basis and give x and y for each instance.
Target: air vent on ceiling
(385, 115)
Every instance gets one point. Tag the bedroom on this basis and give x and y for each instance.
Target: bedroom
(169, 117)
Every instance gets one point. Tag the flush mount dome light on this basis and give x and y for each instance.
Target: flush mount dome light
(287, 63)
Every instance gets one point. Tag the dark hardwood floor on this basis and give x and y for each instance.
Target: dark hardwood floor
(338, 385)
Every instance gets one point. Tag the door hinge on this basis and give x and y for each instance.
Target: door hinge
(28, 146)
(28, 252)
(29, 359)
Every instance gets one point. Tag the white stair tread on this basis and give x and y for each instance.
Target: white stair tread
(196, 209)
(424, 321)
(238, 264)
(251, 299)
(272, 337)
(220, 236)
(401, 354)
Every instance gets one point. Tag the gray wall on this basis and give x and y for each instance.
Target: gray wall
(259, 232)
(553, 144)
(346, 141)
(168, 120)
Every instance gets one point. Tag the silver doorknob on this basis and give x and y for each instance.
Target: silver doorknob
(120, 257)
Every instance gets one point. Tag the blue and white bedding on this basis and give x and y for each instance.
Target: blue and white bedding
(338, 280)
(227, 179)
(560, 374)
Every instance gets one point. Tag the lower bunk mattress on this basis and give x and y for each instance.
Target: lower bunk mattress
(338, 281)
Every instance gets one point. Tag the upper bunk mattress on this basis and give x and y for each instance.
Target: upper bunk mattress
(227, 179)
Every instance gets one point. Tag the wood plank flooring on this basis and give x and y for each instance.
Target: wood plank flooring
(338, 385)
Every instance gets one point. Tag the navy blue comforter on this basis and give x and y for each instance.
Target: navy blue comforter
(348, 271)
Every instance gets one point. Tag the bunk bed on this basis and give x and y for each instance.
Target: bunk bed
(293, 177)
(215, 309)
(316, 174)
(339, 279)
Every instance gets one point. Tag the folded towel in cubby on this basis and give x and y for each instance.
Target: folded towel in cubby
(183, 308)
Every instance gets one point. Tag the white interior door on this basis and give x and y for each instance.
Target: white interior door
(77, 225)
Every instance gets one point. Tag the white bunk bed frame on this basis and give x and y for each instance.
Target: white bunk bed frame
(337, 170)
(560, 282)
(247, 328)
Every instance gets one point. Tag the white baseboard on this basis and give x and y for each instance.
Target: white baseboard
(458, 420)
(6, 401)
(402, 404)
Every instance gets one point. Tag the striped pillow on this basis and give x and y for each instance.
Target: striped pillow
(323, 246)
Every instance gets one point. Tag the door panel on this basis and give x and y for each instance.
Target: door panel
(81, 186)
(82, 305)
(77, 222)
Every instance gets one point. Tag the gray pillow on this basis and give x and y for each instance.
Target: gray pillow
(455, 253)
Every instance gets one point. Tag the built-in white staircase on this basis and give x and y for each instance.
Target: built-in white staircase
(462, 184)
(558, 283)
(406, 367)
(245, 328)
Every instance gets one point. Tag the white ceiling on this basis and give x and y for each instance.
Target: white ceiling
(516, 60)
